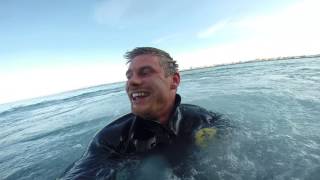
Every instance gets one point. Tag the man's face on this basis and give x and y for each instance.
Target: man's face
(150, 92)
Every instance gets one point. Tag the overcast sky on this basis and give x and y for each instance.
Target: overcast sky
(50, 46)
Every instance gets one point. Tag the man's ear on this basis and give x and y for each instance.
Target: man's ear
(175, 81)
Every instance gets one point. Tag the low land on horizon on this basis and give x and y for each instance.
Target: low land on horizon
(256, 60)
(182, 71)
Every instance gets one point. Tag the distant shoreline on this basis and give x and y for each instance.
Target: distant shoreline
(182, 71)
(256, 60)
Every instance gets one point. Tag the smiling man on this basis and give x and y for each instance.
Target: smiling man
(158, 126)
(152, 84)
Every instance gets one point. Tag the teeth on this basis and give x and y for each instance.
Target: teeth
(138, 94)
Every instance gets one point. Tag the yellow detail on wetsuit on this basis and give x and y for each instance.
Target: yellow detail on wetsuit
(204, 135)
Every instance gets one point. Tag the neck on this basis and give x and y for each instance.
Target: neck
(164, 117)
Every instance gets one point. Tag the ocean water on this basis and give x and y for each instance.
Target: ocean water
(273, 106)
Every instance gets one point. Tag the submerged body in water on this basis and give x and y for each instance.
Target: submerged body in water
(158, 124)
(131, 141)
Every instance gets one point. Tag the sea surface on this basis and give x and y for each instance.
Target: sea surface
(273, 107)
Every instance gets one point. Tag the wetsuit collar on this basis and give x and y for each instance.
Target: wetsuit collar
(176, 116)
(174, 119)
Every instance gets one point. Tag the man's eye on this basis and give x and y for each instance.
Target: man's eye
(129, 75)
(145, 72)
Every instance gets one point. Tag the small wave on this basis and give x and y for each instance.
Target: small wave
(70, 130)
(47, 103)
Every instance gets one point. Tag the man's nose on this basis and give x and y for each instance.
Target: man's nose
(134, 80)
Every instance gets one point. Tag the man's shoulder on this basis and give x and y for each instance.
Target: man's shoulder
(195, 110)
(112, 133)
(195, 117)
(192, 107)
(201, 124)
(127, 118)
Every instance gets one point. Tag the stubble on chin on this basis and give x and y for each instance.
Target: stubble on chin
(143, 114)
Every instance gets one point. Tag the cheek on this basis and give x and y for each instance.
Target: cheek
(127, 90)
(126, 87)
(163, 88)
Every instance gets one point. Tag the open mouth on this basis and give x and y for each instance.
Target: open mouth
(136, 96)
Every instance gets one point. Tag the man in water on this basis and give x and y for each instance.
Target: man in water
(158, 126)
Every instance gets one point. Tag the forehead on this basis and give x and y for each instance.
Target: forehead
(145, 60)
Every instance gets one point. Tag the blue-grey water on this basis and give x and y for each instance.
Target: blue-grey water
(273, 106)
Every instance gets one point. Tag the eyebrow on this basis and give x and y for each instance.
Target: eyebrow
(140, 69)
(146, 67)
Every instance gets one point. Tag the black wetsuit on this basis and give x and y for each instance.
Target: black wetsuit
(134, 138)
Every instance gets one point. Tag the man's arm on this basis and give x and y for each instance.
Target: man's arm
(99, 161)
(103, 158)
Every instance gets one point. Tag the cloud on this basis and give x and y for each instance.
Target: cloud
(292, 31)
(299, 19)
(210, 31)
(112, 11)
(165, 39)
